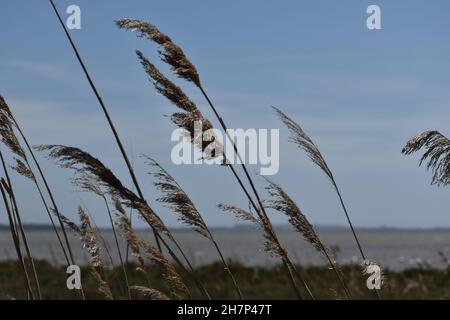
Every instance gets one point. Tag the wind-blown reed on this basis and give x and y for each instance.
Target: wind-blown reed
(128, 233)
(7, 124)
(17, 220)
(16, 240)
(87, 165)
(152, 294)
(304, 142)
(205, 138)
(282, 202)
(437, 154)
(89, 239)
(174, 56)
(107, 116)
(170, 52)
(170, 275)
(103, 286)
(180, 203)
(271, 245)
(83, 163)
(91, 175)
(176, 199)
(86, 183)
(90, 242)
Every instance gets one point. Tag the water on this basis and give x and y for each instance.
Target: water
(394, 249)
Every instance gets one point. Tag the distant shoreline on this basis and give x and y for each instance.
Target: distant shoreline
(327, 228)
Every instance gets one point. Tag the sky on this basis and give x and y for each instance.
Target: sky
(359, 93)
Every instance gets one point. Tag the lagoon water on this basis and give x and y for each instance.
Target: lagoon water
(391, 248)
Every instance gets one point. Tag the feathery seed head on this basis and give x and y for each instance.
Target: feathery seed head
(437, 153)
(176, 198)
(303, 141)
(282, 202)
(84, 164)
(169, 51)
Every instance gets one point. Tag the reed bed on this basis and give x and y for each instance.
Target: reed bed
(163, 270)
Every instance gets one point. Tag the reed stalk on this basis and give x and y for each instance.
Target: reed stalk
(177, 199)
(68, 255)
(188, 119)
(283, 203)
(158, 237)
(122, 263)
(175, 57)
(8, 123)
(83, 164)
(15, 209)
(105, 111)
(16, 240)
(304, 142)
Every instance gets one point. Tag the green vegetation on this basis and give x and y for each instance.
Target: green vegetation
(256, 283)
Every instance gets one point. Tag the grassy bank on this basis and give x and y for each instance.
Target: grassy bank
(256, 283)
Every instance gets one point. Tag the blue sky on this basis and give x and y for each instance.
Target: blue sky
(360, 94)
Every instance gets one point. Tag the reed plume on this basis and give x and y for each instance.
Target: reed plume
(86, 183)
(282, 202)
(271, 244)
(89, 240)
(169, 51)
(304, 142)
(70, 224)
(103, 286)
(7, 124)
(203, 138)
(82, 162)
(188, 120)
(9, 139)
(173, 279)
(240, 214)
(175, 57)
(128, 233)
(105, 111)
(177, 199)
(437, 153)
(23, 170)
(180, 64)
(136, 243)
(152, 294)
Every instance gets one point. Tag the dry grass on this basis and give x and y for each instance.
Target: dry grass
(166, 264)
(437, 153)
